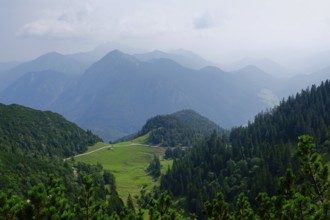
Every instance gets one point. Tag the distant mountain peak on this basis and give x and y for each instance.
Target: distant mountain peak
(252, 69)
(115, 61)
(117, 55)
(51, 55)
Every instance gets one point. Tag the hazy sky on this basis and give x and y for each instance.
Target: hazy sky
(216, 29)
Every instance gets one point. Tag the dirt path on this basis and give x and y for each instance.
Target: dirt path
(147, 145)
(79, 155)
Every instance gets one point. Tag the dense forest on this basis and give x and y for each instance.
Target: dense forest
(273, 168)
(27, 131)
(33, 144)
(254, 157)
(300, 195)
(36, 181)
(182, 128)
(87, 196)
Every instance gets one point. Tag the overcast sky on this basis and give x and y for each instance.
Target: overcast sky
(218, 30)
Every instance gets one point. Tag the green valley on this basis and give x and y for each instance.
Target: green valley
(127, 161)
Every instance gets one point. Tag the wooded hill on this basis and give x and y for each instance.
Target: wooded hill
(33, 145)
(41, 133)
(255, 156)
(181, 128)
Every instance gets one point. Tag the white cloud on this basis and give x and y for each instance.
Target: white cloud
(48, 28)
(216, 27)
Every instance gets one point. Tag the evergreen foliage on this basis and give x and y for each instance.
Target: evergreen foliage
(33, 145)
(300, 195)
(174, 153)
(182, 128)
(154, 168)
(27, 131)
(255, 157)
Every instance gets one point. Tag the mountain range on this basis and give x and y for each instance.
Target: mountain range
(115, 95)
(182, 57)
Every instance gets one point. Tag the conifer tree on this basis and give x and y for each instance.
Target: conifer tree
(243, 208)
(37, 199)
(130, 203)
(218, 209)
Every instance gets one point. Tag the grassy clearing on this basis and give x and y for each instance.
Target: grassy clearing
(141, 139)
(97, 146)
(127, 161)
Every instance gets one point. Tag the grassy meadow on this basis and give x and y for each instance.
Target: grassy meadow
(127, 161)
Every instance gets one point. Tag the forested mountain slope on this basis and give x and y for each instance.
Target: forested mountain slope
(307, 112)
(255, 156)
(30, 132)
(181, 128)
(33, 145)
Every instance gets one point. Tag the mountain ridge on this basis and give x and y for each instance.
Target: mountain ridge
(118, 93)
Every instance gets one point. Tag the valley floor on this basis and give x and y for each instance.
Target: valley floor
(127, 161)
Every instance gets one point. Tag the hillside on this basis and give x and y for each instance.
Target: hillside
(27, 131)
(33, 145)
(256, 156)
(182, 128)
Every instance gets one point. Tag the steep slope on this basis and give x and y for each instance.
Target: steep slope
(259, 154)
(36, 89)
(50, 61)
(181, 128)
(308, 112)
(33, 145)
